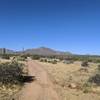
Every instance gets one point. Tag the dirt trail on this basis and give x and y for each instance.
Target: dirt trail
(40, 89)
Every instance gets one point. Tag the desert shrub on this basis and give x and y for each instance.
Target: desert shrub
(41, 60)
(99, 68)
(96, 60)
(68, 61)
(11, 73)
(86, 90)
(35, 57)
(21, 58)
(45, 60)
(95, 79)
(49, 61)
(54, 62)
(85, 64)
(5, 56)
(87, 87)
(24, 56)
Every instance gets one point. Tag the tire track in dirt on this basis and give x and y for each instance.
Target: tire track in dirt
(40, 89)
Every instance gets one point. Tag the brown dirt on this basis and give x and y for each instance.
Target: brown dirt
(64, 74)
(40, 89)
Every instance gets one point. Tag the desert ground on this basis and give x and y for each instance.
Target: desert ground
(40, 89)
(57, 82)
(63, 75)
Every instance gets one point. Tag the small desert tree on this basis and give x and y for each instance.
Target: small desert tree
(85, 64)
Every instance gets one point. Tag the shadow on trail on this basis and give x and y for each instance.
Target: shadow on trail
(27, 79)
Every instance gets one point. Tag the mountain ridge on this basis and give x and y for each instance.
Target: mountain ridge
(38, 51)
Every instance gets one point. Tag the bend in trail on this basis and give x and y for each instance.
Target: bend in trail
(40, 89)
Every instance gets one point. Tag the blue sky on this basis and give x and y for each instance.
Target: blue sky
(66, 25)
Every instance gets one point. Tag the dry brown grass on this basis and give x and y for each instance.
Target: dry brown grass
(64, 74)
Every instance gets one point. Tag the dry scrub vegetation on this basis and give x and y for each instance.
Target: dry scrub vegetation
(11, 78)
(72, 80)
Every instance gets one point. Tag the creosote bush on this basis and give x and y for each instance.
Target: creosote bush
(21, 58)
(35, 57)
(85, 64)
(96, 78)
(87, 87)
(11, 73)
(5, 56)
(54, 62)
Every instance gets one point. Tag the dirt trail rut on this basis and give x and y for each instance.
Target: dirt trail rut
(40, 89)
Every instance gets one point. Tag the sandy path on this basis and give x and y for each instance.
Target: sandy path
(40, 89)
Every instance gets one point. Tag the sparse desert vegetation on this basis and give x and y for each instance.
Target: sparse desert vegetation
(74, 77)
(73, 80)
(49, 50)
(12, 77)
(49, 60)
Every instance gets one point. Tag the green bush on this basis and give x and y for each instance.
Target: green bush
(85, 64)
(5, 56)
(24, 56)
(11, 73)
(21, 58)
(95, 79)
(45, 60)
(87, 87)
(35, 57)
(54, 62)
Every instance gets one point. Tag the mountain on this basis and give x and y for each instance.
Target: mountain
(37, 51)
(45, 51)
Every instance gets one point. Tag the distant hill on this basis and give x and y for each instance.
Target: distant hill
(37, 51)
(45, 51)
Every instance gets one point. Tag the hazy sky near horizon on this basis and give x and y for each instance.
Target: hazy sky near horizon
(69, 25)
